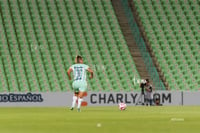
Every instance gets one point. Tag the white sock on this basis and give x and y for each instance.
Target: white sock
(74, 101)
(79, 103)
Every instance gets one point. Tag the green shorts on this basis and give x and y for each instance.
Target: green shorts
(79, 86)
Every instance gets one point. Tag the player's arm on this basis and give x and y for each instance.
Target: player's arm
(69, 73)
(91, 72)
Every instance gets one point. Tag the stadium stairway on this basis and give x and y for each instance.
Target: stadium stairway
(135, 52)
(139, 51)
(135, 14)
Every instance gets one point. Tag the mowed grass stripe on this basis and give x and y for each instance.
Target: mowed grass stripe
(166, 119)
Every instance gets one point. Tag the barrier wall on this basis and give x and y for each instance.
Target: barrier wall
(63, 99)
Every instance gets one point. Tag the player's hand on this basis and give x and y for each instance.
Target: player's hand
(91, 73)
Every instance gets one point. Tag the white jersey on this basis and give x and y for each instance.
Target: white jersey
(79, 72)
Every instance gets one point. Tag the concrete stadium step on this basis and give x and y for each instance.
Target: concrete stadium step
(123, 22)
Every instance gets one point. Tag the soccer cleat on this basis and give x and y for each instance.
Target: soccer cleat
(71, 108)
(79, 110)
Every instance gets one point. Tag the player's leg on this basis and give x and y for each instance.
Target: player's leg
(80, 99)
(82, 90)
(75, 96)
(74, 99)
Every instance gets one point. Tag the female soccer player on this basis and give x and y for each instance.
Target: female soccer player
(79, 84)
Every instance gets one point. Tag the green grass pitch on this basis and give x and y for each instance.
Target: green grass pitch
(179, 119)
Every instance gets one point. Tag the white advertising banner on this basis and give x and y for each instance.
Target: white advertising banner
(64, 99)
(131, 98)
(47, 99)
(191, 98)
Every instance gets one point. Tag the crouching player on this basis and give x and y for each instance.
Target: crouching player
(79, 84)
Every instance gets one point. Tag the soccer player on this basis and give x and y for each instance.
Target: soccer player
(79, 83)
